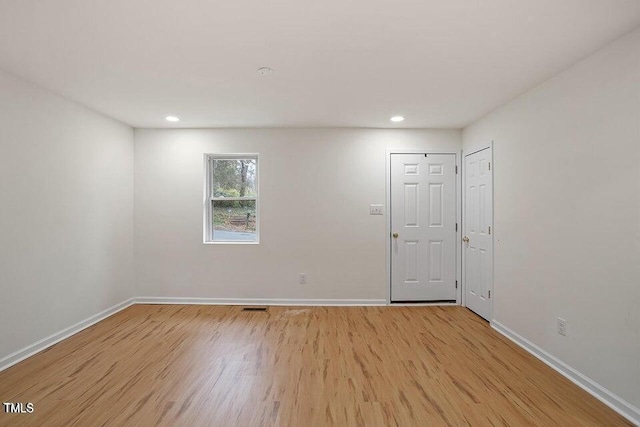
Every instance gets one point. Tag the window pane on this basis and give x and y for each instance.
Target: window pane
(234, 178)
(234, 221)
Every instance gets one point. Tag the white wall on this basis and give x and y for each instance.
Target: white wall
(66, 216)
(315, 188)
(567, 215)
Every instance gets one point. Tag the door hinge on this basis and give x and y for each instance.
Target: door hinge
(456, 284)
(456, 226)
(456, 169)
(489, 294)
(489, 165)
(489, 229)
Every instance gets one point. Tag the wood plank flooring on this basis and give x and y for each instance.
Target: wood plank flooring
(182, 365)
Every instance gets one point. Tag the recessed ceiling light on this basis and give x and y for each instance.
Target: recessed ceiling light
(397, 119)
(172, 119)
(265, 70)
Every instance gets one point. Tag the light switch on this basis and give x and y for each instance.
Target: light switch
(376, 210)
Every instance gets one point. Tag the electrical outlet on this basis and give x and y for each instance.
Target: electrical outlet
(562, 326)
(376, 210)
(303, 278)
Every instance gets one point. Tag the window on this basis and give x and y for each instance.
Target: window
(231, 198)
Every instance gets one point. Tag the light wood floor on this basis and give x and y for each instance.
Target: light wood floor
(294, 366)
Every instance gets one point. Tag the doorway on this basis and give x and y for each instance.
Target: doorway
(423, 227)
(477, 243)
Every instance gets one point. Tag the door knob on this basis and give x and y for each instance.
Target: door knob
(395, 235)
(465, 239)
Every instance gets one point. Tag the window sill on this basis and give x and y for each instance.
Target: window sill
(231, 243)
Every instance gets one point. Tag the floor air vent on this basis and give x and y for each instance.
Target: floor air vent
(254, 309)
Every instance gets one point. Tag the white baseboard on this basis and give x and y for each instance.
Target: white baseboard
(260, 301)
(47, 342)
(422, 304)
(624, 408)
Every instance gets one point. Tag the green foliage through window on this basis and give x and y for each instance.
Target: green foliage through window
(234, 198)
(234, 178)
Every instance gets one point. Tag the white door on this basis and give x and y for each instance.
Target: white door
(423, 227)
(477, 243)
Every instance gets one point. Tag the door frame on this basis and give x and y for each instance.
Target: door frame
(388, 242)
(474, 149)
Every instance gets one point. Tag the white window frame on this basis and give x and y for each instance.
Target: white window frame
(209, 199)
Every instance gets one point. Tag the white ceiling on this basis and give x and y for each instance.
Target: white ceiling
(440, 63)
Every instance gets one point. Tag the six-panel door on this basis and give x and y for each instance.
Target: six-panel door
(478, 241)
(423, 221)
